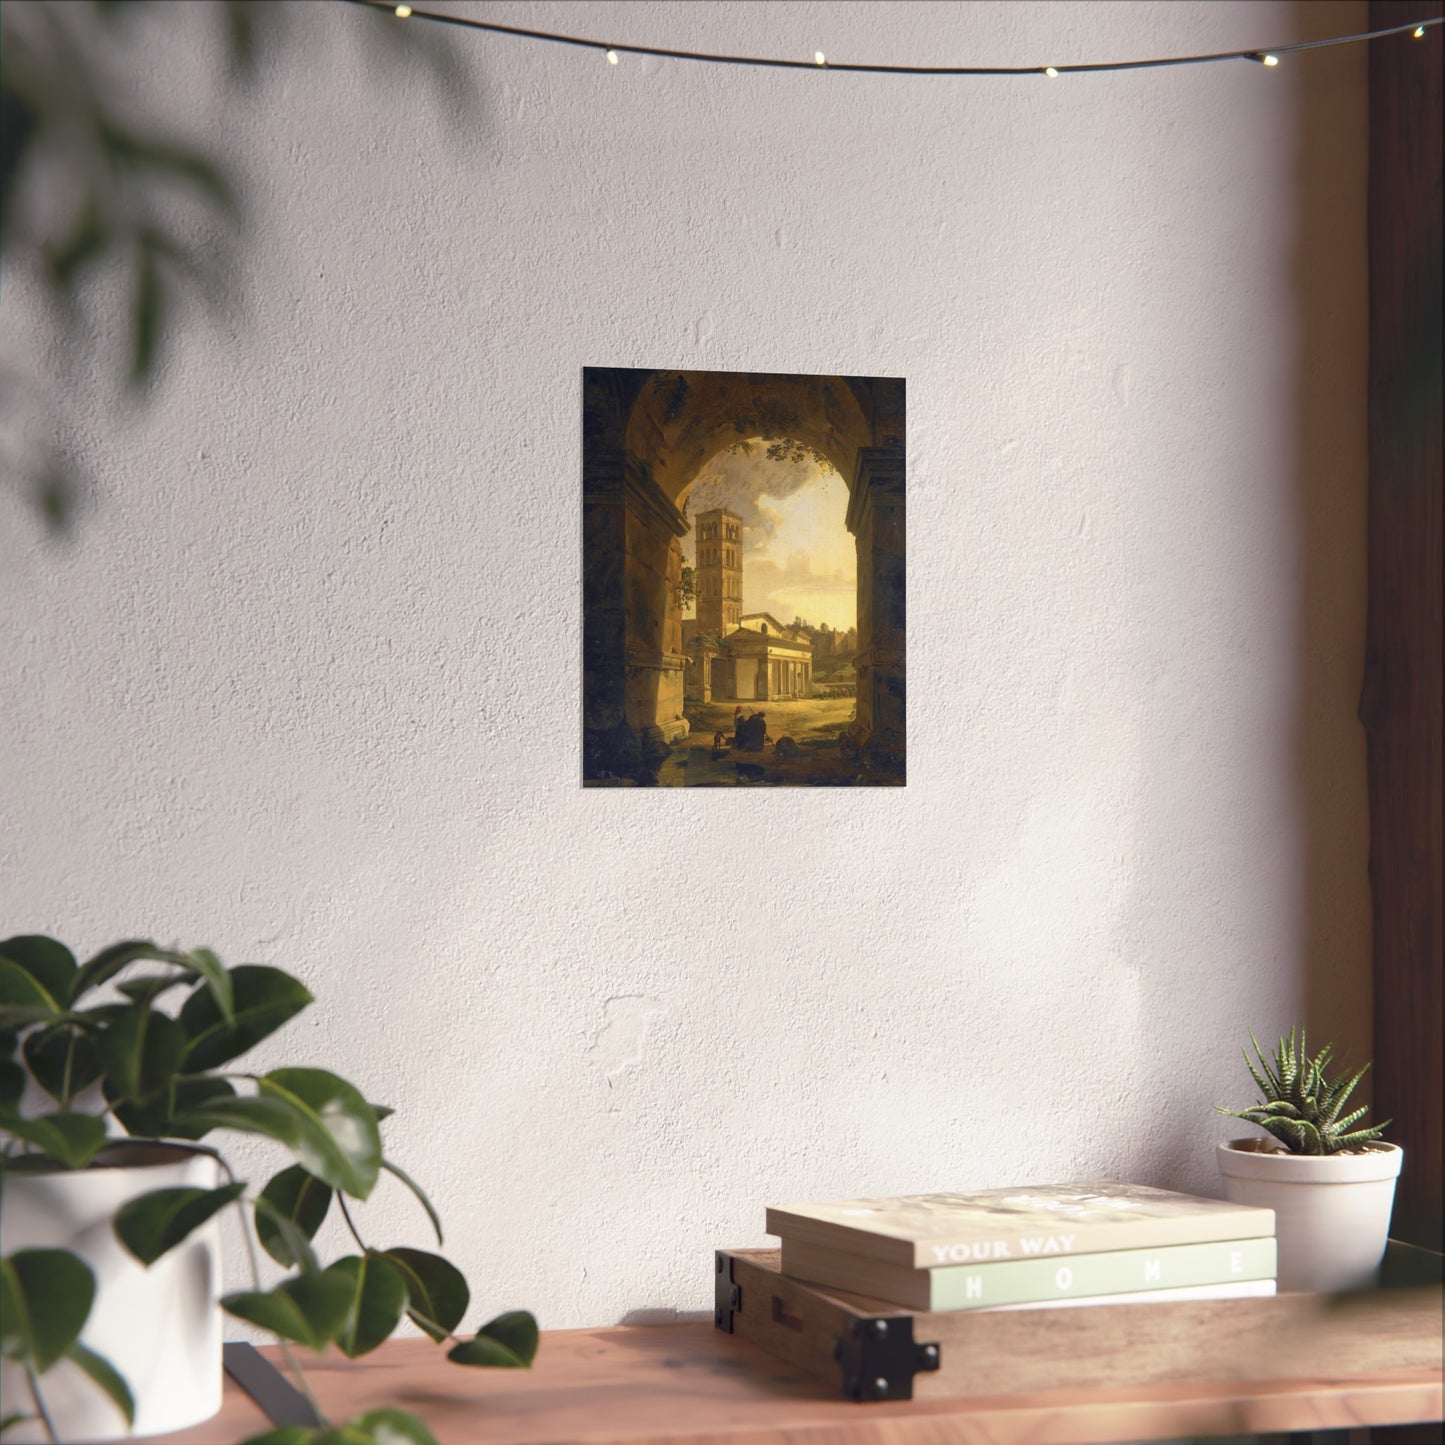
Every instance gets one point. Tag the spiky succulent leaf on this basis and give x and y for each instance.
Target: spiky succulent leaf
(1361, 1136)
(1338, 1126)
(1260, 1083)
(1299, 1105)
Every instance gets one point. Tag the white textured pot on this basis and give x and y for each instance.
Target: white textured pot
(1331, 1211)
(160, 1327)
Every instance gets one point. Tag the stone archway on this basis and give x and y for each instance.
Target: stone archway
(646, 436)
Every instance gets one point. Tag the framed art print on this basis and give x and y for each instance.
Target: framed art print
(743, 540)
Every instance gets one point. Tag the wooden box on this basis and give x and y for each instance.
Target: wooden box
(871, 1350)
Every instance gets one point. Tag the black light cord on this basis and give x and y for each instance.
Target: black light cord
(613, 49)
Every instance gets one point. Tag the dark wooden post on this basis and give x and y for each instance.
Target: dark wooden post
(1400, 703)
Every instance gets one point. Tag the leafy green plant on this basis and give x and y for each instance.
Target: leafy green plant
(172, 1076)
(90, 188)
(1301, 1107)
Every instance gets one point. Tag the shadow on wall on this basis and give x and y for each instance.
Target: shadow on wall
(92, 188)
(1324, 905)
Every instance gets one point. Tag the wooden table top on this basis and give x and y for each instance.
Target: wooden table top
(692, 1384)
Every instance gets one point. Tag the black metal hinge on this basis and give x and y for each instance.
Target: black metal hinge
(727, 1296)
(880, 1358)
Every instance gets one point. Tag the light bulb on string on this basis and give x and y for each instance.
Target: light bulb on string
(1260, 57)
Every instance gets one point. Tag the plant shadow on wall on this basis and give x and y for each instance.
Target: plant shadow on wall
(91, 191)
(97, 1339)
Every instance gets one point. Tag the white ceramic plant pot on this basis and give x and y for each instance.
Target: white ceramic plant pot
(160, 1327)
(1331, 1211)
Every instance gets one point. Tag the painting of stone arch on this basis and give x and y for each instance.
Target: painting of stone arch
(743, 618)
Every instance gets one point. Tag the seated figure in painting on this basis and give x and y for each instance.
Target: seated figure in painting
(752, 733)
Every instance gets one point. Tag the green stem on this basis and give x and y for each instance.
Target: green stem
(66, 1078)
(39, 1403)
(361, 1244)
(293, 1364)
(346, 1215)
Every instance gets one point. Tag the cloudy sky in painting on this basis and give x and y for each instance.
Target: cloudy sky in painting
(799, 559)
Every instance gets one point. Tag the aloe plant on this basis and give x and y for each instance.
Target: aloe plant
(171, 1075)
(1301, 1107)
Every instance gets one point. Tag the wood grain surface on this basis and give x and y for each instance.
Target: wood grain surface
(670, 1384)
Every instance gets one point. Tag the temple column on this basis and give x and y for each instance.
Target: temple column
(632, 660)
(876, 518)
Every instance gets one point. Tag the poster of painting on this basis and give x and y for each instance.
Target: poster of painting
(743, 617)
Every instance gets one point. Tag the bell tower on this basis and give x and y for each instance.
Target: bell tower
(719, 566)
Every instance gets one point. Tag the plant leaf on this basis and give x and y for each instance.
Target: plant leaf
(46, 1052)
(280, 1116)
(269, 1117)
(148, 315)
(340, 1143)
(11, 1421)
(299, 1247)
(1361, 1136)
(186, 1094)
(437, 1293)
(141, 1051)
(109, 962)
(378, 1296)
(392, 1427)
(148, 989)
(298, 1197)
(46, 1296)
(416, 1189)
(264, 998)
(14, 1323)
(73, 1139)
(104, 1374)
(23, 999)
(310, 1310)
(210, 968)
(507, 1342)
(151, 1224)
(12, 1086)
(50, 964)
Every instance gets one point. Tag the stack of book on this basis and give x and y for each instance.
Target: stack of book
(1031, 1247)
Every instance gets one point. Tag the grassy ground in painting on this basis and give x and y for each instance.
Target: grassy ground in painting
(812, 723)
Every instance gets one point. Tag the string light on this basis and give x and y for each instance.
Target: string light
(1260, 56)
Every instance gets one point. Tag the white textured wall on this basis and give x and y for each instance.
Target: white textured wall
(305, 686)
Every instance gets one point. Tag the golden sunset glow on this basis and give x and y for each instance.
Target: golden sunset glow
(799, 559)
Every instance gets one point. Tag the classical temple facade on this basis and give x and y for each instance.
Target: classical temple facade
(731, 656)
(748, 664)
(647, 435)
